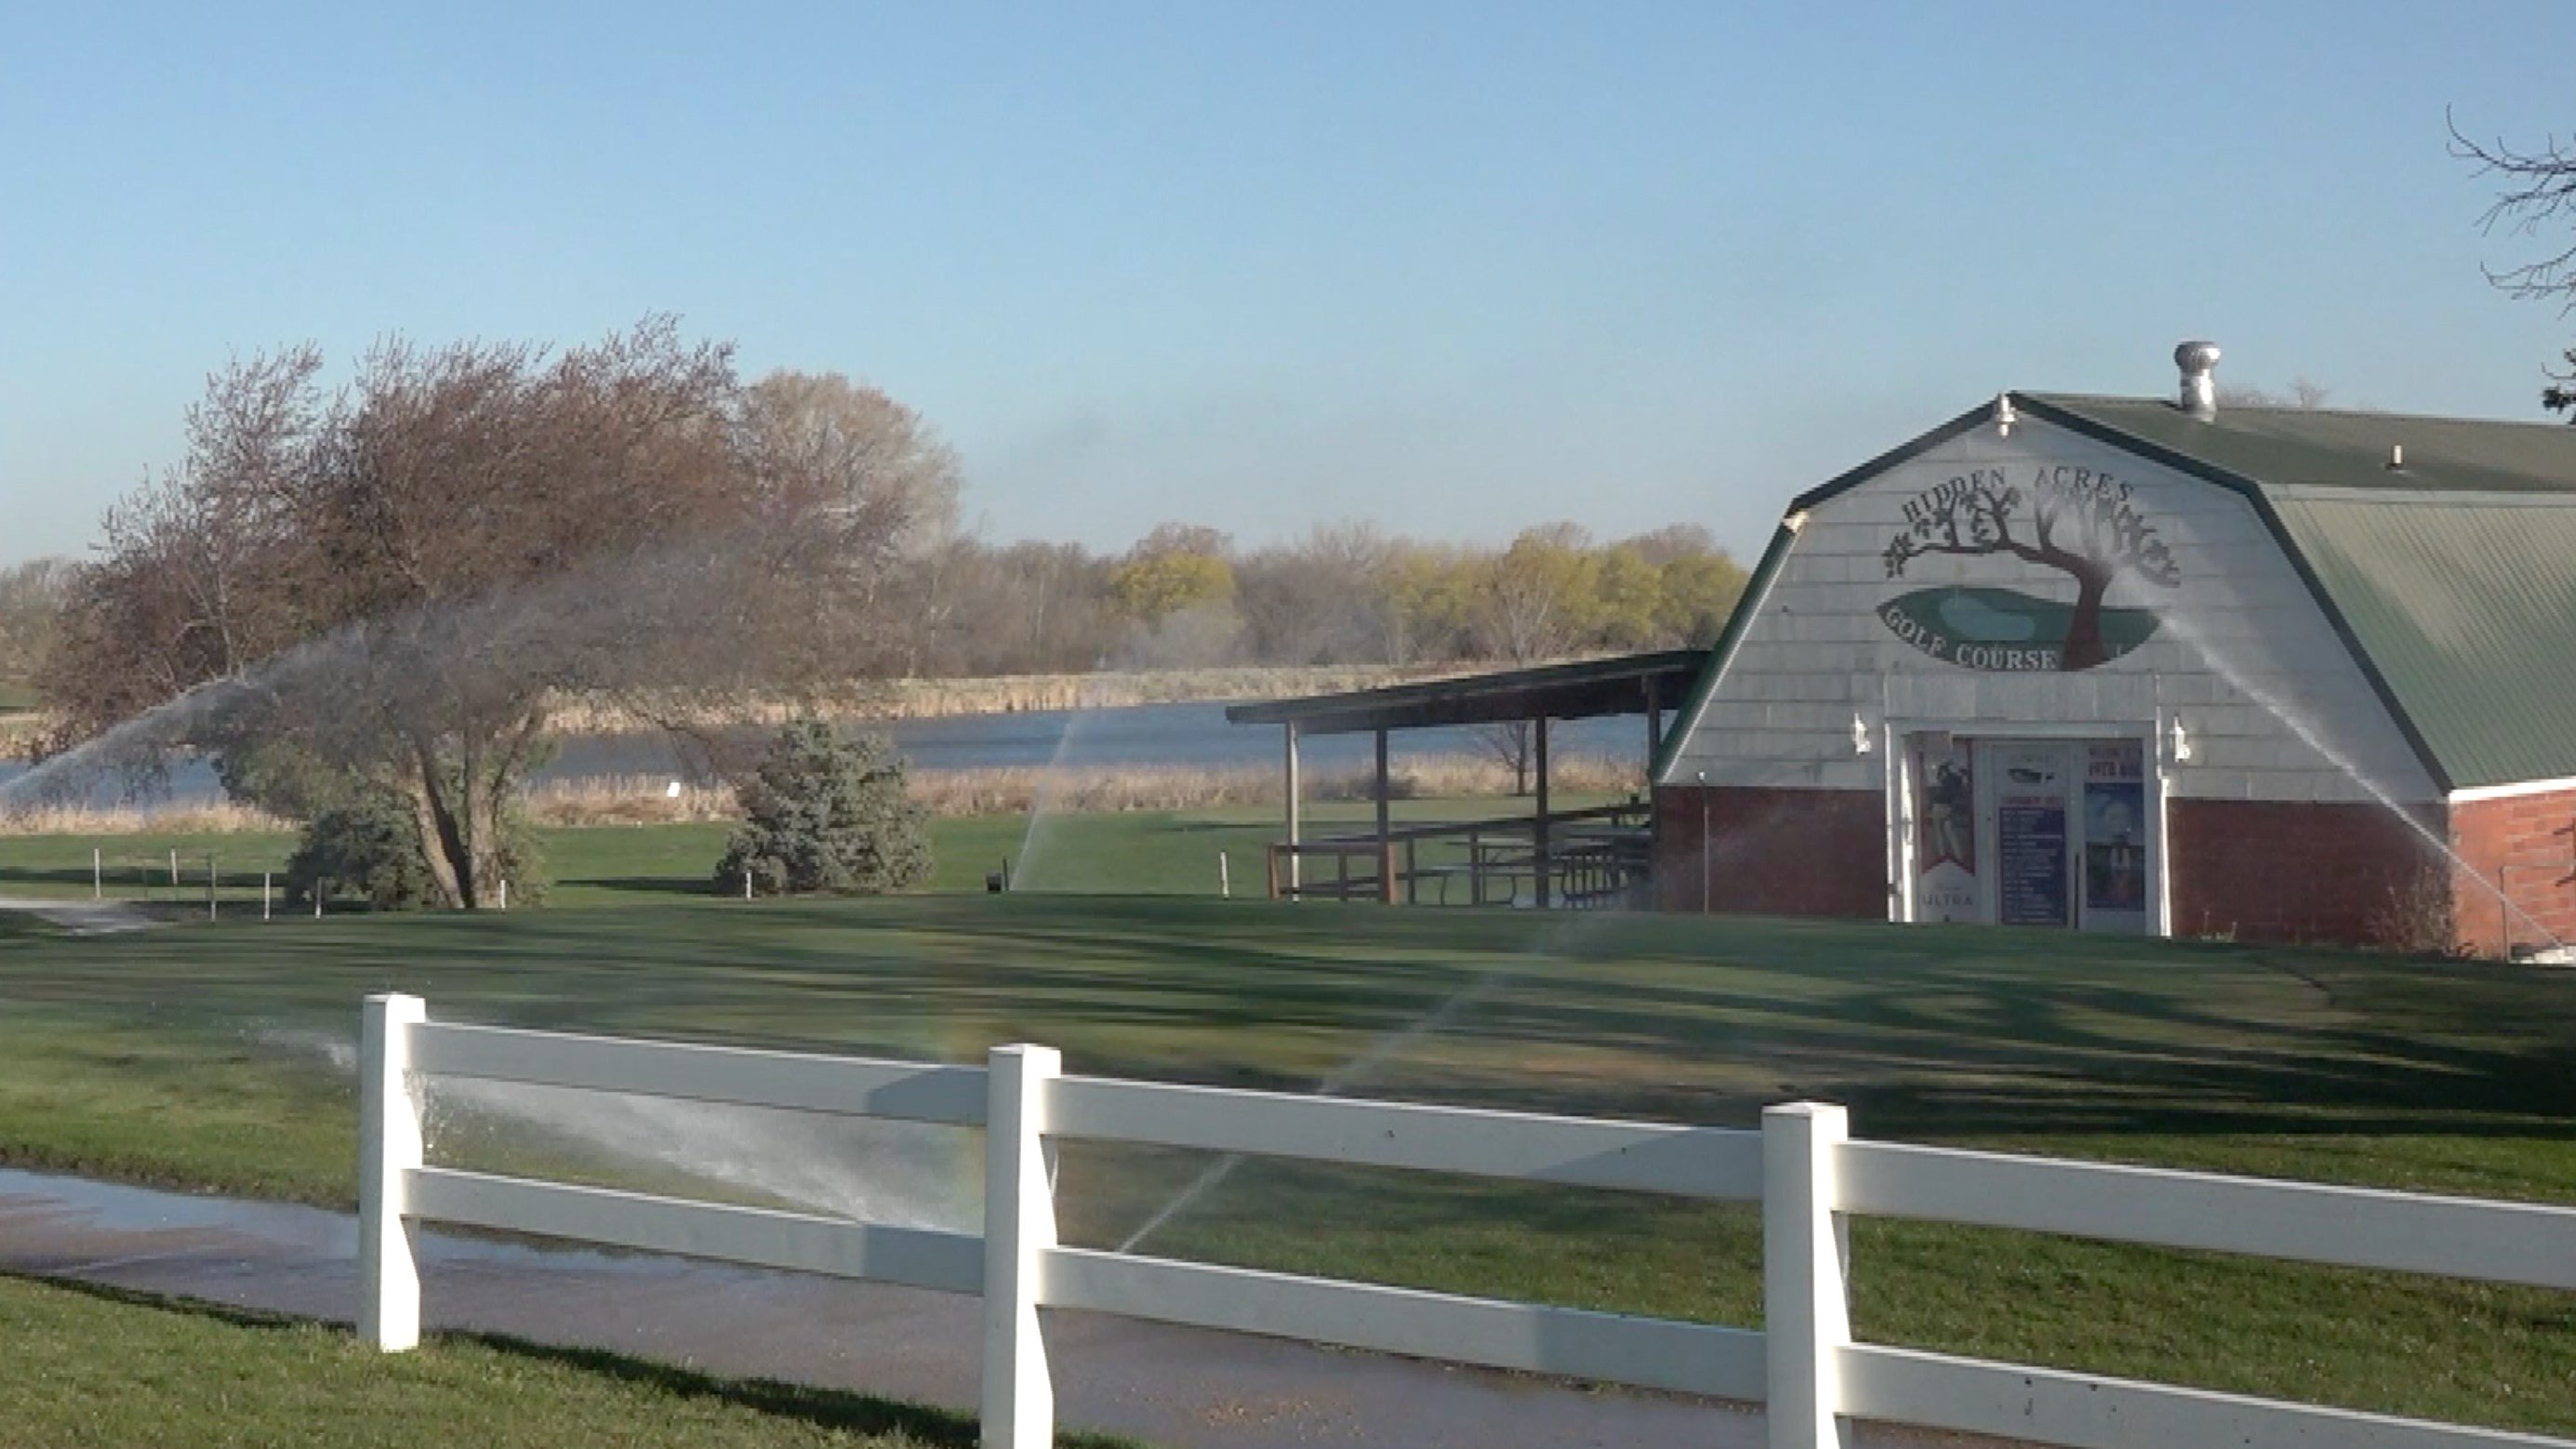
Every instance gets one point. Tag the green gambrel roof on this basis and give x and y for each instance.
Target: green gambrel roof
(2453, 577)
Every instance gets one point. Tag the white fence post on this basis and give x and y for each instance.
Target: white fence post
(1019, 1229)
(389, 1147)
(1806, 1319)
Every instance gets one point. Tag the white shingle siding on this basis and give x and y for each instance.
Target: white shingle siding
(1817, 653)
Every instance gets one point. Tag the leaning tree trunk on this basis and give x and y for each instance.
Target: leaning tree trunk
(2084, 647)
(460, 833)
(438, 840)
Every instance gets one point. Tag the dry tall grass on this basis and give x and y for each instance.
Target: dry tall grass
(1107, 689)
(643, 800)
(195, 817)
(637, 801)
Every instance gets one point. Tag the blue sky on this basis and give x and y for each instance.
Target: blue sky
(1456, 268)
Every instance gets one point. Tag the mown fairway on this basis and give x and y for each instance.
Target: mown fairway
(174, 1056)
(1142, 852)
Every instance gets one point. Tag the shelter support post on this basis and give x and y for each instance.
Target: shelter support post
(1296, 875)
(1385, 846)
(1538, 832)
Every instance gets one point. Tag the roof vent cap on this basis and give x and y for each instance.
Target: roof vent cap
(2199, 363)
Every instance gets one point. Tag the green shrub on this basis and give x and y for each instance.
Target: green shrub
(368, 846)
(826, 811)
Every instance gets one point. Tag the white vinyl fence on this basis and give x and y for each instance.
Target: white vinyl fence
(1806, 1369)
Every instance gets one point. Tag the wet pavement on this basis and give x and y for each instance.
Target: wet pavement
(84, 918)
(1167, 1385)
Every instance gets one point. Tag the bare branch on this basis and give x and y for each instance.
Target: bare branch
(2539, 189)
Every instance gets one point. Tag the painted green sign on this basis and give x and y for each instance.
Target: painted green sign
(2004, 629)
(2059, 516)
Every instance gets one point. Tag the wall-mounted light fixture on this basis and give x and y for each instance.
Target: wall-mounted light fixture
(2181, 742)
(1861, 744)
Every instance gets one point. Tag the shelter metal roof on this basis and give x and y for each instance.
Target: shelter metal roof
(1628, 684)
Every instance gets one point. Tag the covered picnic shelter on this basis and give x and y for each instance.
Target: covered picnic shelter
(1575, 858)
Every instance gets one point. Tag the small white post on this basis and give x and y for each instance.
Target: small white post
(1019, 1231)
(174, 867)
(389, 1147)
(210, 886)
(746, 882)
(97, 884)
(1224, 878)
(263, 895)
(1806, 1319)
(505, 894)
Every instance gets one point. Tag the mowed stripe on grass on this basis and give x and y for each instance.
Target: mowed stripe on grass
(2308, 1064)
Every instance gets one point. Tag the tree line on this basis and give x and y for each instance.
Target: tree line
(363, 602)
(1347, 593)
(950, 603)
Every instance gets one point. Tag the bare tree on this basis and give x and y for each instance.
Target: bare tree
(859, 446)
(2539, 189)
(1322, 600)
(1512, 744)
(1674, 542)
(2538, 193)
(2092, 534)
(32, 595)
(2302, 393)
(388, 592)
(1534, 599)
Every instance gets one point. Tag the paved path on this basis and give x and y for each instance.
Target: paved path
(1169, 1386)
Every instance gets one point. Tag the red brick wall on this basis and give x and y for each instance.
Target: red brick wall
(2250, 869)
(2260, 870)
(1772, 852)
(2525, 847)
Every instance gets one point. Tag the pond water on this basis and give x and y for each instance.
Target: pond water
(1186, 736)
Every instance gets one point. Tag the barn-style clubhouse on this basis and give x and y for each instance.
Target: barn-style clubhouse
(2152, 666)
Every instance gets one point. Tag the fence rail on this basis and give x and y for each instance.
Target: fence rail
(851, 1086)
(1572, 1151)
(2350, 1227)
(1803, 1367)
(2085, 1411)
(1652, 1353)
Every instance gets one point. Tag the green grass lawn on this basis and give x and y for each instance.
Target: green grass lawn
(1143, 852)
(182, 1056)
(98, 1366)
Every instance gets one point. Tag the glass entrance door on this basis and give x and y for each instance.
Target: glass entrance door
(2023, 832)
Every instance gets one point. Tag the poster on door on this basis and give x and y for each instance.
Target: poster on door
(2115, 835)
(2031, 886)
(1945, 825)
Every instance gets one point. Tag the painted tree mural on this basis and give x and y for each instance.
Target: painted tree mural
(2089, 531)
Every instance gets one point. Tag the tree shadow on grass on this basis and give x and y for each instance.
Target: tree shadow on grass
(826, 1408)
(657, 885)
(27, 875)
